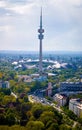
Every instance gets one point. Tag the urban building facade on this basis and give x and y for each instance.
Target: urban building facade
(4, 84)
(25, 78)
(75, 105)
(49, 89)
(71, 86)
(60, 99)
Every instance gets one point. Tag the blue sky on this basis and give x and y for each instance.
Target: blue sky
(62, 21)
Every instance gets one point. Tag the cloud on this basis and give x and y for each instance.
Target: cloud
(62, 21)
(6, 28)
(2, 4)
(17, 1)
(20, 6)
(21, 9)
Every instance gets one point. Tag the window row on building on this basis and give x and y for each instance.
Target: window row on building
(71, 86)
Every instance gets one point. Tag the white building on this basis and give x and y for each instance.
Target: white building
(25, 78)
(61, 99)
(75, 105)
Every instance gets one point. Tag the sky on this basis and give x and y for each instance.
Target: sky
(62, 22)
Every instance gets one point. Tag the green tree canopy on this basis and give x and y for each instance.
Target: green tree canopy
(35, 125)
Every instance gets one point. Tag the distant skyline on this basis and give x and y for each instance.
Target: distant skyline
(62, 21)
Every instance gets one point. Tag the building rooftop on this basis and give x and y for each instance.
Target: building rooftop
(72, 83)
(77, 102)
(61, 96)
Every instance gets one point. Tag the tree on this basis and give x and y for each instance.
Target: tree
(53, 126)
(64, 127)
(35, 125)
(77, 127)
(2, 119)
(35, 85)
(10, 119)
(6, 91)
(1, 75)
(47, 116)
(25, 98)
(25, 106)
(37, 110)
(4, 127)
(12, 74)
(8, 99)
(71, 115)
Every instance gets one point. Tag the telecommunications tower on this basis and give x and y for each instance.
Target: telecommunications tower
(40, 36)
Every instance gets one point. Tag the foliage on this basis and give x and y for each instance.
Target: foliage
(37, 110)
(20, 114)
(6, 91)
(35, 125)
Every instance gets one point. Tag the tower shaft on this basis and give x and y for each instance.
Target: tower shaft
(40, 36)
(40, 58)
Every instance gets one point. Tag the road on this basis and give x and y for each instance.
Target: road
(44, 101)
(13, 94)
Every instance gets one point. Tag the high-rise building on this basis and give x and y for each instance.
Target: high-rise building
(71, 86)
(49, 89)
(40, 36)
(75, 105)
(61, 99)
